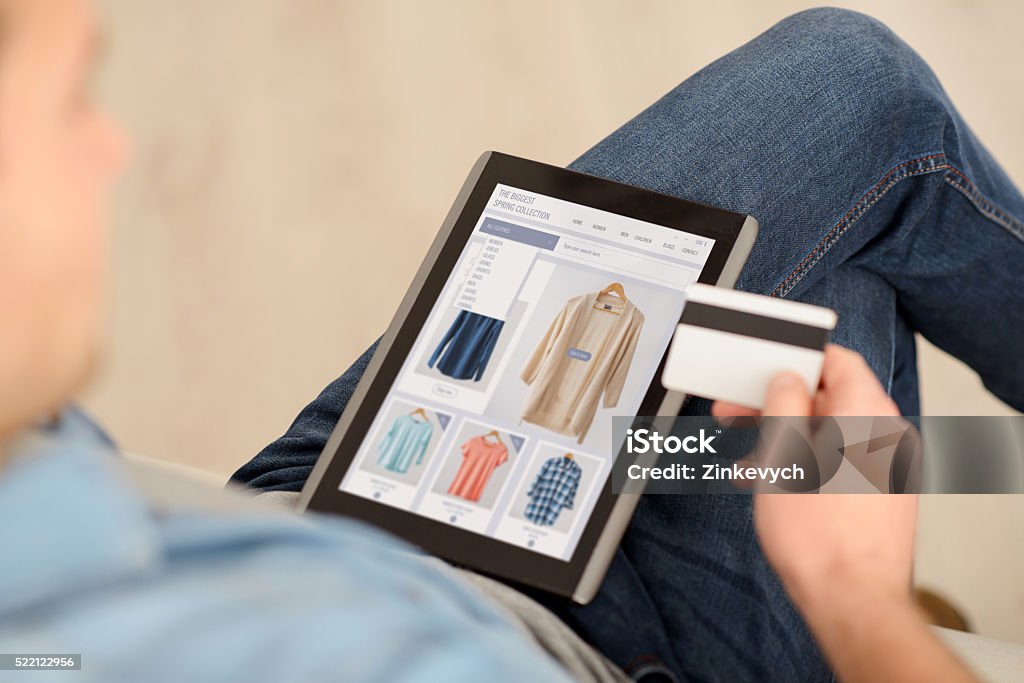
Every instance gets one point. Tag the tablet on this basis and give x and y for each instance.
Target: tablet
(481, 430)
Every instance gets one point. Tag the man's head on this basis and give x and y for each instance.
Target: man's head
(58, 157)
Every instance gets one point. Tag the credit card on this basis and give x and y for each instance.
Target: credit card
(728, 344)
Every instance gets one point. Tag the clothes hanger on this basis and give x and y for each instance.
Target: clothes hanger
(495, 434)
(616, 289)
(420, 411)
(568, 456)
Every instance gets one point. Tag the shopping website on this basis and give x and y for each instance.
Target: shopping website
(554, 320)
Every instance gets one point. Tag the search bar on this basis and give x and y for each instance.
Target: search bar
(625, 262)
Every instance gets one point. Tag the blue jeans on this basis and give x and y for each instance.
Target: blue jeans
(874, 199)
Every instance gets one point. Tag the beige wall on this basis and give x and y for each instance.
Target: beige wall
(278, 142)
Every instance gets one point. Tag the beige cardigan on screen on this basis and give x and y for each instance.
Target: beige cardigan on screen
(565, 391)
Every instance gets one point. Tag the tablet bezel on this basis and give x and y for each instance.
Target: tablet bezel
(581, 575)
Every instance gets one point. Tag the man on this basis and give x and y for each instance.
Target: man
(152, 581)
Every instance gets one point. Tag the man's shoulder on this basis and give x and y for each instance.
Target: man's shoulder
(162, 578)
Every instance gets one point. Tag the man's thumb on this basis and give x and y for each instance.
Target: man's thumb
(787, 396)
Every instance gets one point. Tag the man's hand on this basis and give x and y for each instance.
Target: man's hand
(846, 560)
(818, 543)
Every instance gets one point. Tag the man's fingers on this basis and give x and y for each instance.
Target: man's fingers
(843, 368)
(787, 396)
(722, 409)
(849, 386)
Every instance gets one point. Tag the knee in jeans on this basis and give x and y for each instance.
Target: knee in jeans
(842, 33)
(849, 55)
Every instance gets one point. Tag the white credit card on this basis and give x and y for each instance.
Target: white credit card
(728, 344)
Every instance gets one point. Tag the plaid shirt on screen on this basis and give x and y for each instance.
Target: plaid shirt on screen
(553, 490)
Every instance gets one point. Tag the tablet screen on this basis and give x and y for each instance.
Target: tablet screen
(554, 320)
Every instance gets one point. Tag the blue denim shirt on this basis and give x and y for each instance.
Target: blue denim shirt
(146, 593)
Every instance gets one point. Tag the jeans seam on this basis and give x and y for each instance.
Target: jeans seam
(907, 169)
(960, 182)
